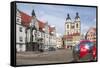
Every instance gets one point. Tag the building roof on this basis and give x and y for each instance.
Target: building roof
(68, 16)
(51, 28)
(26, 19)
(76, 34)
(70, 36)
(77, 15)
(92, 29)
(67, 37)
(41, 25)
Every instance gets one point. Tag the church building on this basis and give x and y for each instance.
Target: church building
(72, 31)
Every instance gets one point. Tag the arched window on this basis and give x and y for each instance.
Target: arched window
(77, 25)
(67, 26)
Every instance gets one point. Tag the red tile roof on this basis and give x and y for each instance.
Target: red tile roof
(93, 29)
(70, 36)
(41, 25)
(50, 29)
(26, 19)
(76, 34)
(67, 37)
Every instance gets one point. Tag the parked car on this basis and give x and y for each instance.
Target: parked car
(85, 50)
(41, 50)
(51, 49)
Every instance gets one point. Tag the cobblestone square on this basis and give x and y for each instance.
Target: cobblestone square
(58, 56)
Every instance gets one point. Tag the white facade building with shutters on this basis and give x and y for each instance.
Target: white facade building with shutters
(20, 34)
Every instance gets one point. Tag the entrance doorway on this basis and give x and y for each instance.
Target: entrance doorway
(35, 47)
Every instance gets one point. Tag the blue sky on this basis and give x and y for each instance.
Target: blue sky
(56, 15)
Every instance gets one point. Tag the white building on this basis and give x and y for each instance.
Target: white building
(20, 33)
(72, 26)
(32, 34)
(59, 41)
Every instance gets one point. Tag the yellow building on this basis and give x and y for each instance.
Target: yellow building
(72, 31)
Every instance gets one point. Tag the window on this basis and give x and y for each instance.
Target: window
(20, 46)
(47, 36)
(32, 37)
(72, 27)
(94, 34)
(77, 25)
(67, 26)
(88, 35)
(38, 34)
(17, 20)
(20, 39)
(67, 33)
(42, 35)
(20, 29)
(94, 38)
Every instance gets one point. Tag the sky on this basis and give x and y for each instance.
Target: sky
(56, 15)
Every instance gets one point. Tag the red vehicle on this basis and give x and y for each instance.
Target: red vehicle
(85, 51)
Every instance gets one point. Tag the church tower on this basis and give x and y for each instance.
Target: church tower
(34, 22)
(31, 32)
(77, 23)
(68, 25)
(72, 31)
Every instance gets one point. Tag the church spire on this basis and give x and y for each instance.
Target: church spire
(68, 17)
(33, 13)
(77, 15)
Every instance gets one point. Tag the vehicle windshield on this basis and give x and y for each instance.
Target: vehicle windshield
(77, 47)
(90, 44)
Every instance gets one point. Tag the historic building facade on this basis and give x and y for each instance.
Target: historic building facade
(59, 41)
(72, 31)
(20, 33)
(32, 34)
(91, 34)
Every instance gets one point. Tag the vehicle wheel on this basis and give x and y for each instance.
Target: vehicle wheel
(75, 57)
